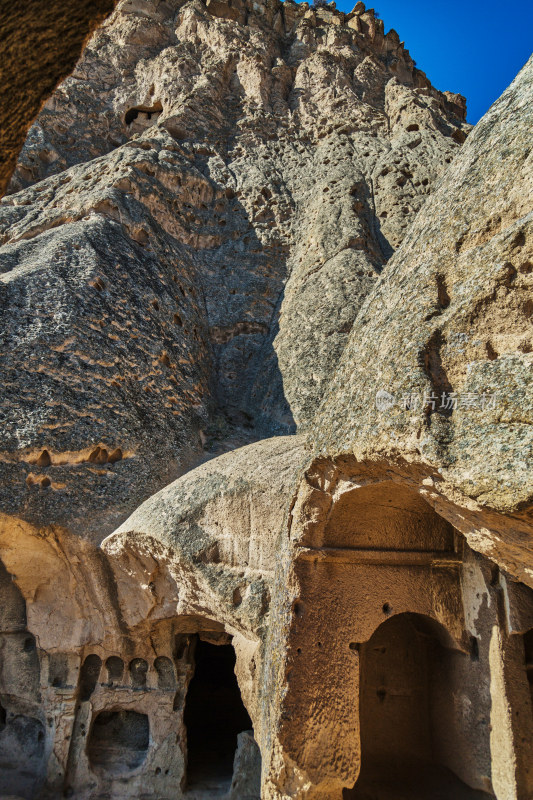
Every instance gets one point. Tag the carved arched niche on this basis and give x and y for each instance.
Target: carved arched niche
(365, 550)
(414, 740)
(385, 516)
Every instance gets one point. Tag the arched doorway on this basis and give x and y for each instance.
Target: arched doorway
(407, 719)
(222, 755)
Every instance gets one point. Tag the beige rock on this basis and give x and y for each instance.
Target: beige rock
(200, 228)
(174, 239)
(451, 318)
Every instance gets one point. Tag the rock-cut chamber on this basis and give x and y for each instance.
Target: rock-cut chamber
(214, 717)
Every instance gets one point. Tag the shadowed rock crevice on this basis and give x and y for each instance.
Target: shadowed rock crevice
(436, 372)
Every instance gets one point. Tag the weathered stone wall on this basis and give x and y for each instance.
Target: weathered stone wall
(197, 252)
(358, 546)
(185, 278)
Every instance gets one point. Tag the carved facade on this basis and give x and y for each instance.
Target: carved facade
(230, 231)
(376, 651)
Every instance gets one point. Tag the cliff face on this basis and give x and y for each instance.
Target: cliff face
(212, 237)
(210, 197)
(40, 47)
(451, 385)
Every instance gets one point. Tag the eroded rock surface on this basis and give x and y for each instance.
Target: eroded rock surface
(40, 46)
(202, 224)
(208, 201)
(451, 318)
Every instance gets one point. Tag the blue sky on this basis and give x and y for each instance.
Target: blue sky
(474, 48)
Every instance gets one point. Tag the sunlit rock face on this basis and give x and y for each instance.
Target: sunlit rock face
(195, 219)
(449, 331)
(226, 571)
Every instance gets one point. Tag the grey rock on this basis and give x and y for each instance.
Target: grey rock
(197, 215)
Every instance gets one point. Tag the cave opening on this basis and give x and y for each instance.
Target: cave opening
(406, 714)
(146, 114)
(214, 716)
(130, 115)
(118, 741)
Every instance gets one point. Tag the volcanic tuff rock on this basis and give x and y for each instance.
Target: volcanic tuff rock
(40, 46)
(197, 252)
(196, 217)
(372, 524)
(464, 273)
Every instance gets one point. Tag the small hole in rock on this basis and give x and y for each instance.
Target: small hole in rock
(115, 669)
(298, 609)
(165, 673)
(115, 455)
(492, 355)
(44, 459)
(138, 670)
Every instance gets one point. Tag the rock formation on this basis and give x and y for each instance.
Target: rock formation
(40, 46)
(170, 246)
(248, 248)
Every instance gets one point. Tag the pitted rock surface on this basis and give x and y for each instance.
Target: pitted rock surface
(249, 221)
(446, 338)
(197, 215)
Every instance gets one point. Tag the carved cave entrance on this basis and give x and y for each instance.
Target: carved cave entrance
(406, 714)
(214, 716)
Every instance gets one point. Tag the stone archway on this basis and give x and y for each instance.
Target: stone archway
(222, 756)
(408, 671)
